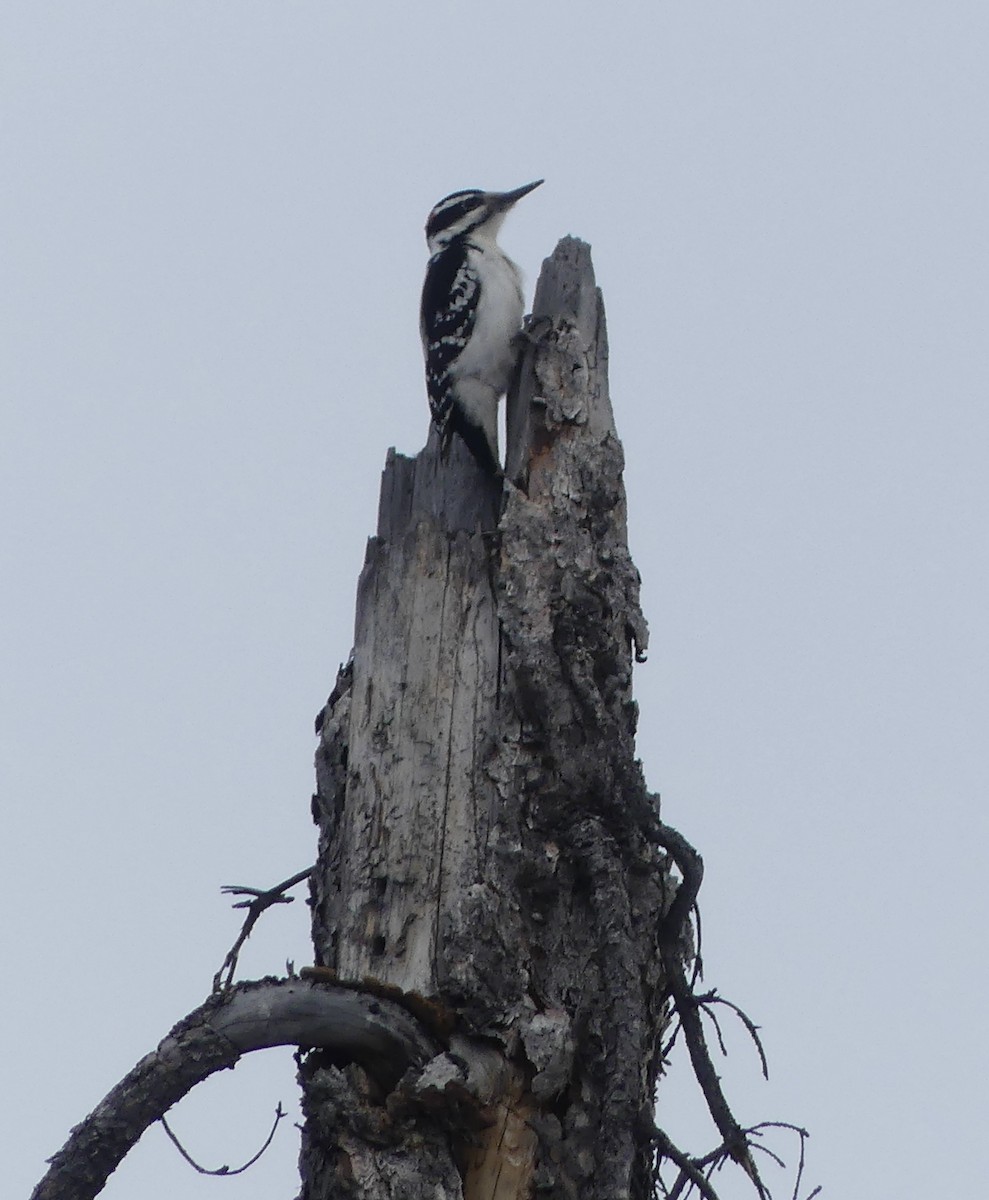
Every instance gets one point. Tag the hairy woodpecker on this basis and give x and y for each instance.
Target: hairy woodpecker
(471, 310)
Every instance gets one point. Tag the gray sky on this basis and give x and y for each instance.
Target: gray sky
(212, 250)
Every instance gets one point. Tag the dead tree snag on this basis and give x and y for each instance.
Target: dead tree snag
(499, 937)
(485, 832)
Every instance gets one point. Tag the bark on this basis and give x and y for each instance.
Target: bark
(487, 845)
(289, 1012)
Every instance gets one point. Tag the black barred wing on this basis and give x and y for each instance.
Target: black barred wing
(450, 296)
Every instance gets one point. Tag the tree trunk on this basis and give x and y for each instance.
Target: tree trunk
(484, 828)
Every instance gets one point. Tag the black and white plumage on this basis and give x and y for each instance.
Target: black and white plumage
(472, 308)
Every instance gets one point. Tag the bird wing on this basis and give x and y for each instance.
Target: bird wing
(449, 308)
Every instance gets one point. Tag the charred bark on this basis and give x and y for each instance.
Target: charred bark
(487, 846)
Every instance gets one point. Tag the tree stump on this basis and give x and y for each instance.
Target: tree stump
(484, 828)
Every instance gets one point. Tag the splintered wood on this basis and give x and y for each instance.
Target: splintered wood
(483, 818)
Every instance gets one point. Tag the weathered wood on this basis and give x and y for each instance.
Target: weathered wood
(451, 491)
(411, 836)
(251, 1016)
(486, 839)
(567, 299)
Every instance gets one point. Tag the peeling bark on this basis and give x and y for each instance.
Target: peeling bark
(487, 843)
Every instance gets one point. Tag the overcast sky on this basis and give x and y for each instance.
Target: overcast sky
(212, 248)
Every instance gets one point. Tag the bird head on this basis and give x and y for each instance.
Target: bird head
(470, 212)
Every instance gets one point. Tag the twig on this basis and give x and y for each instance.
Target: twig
(261, 900)
(665, 1052)
(691, 867)
(279, 1113)
(690, 1171)
(716, 1158)
(766, 1150)
(715, 1022)
(803, 1135)
(698, 971)
(712, 997)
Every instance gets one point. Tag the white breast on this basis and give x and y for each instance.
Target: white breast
(490, 355)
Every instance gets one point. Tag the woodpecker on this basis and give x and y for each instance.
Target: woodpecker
(472, 308)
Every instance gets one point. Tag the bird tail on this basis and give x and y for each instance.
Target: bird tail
(476, 440)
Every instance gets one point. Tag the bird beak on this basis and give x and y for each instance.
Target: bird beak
(502, 201)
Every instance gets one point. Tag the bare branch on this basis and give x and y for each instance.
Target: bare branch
(770, 1153)
(691, 867)
(698, 971)
(370, 1030)
(262, 899)
(279, 1113)
(803, 1135)
(712, 997)
(700, 1001)
(690, 1171)
(668, 1047)
(800, 1167)
(716, 1158)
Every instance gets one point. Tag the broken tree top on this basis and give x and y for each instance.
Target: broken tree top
(482, 814)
